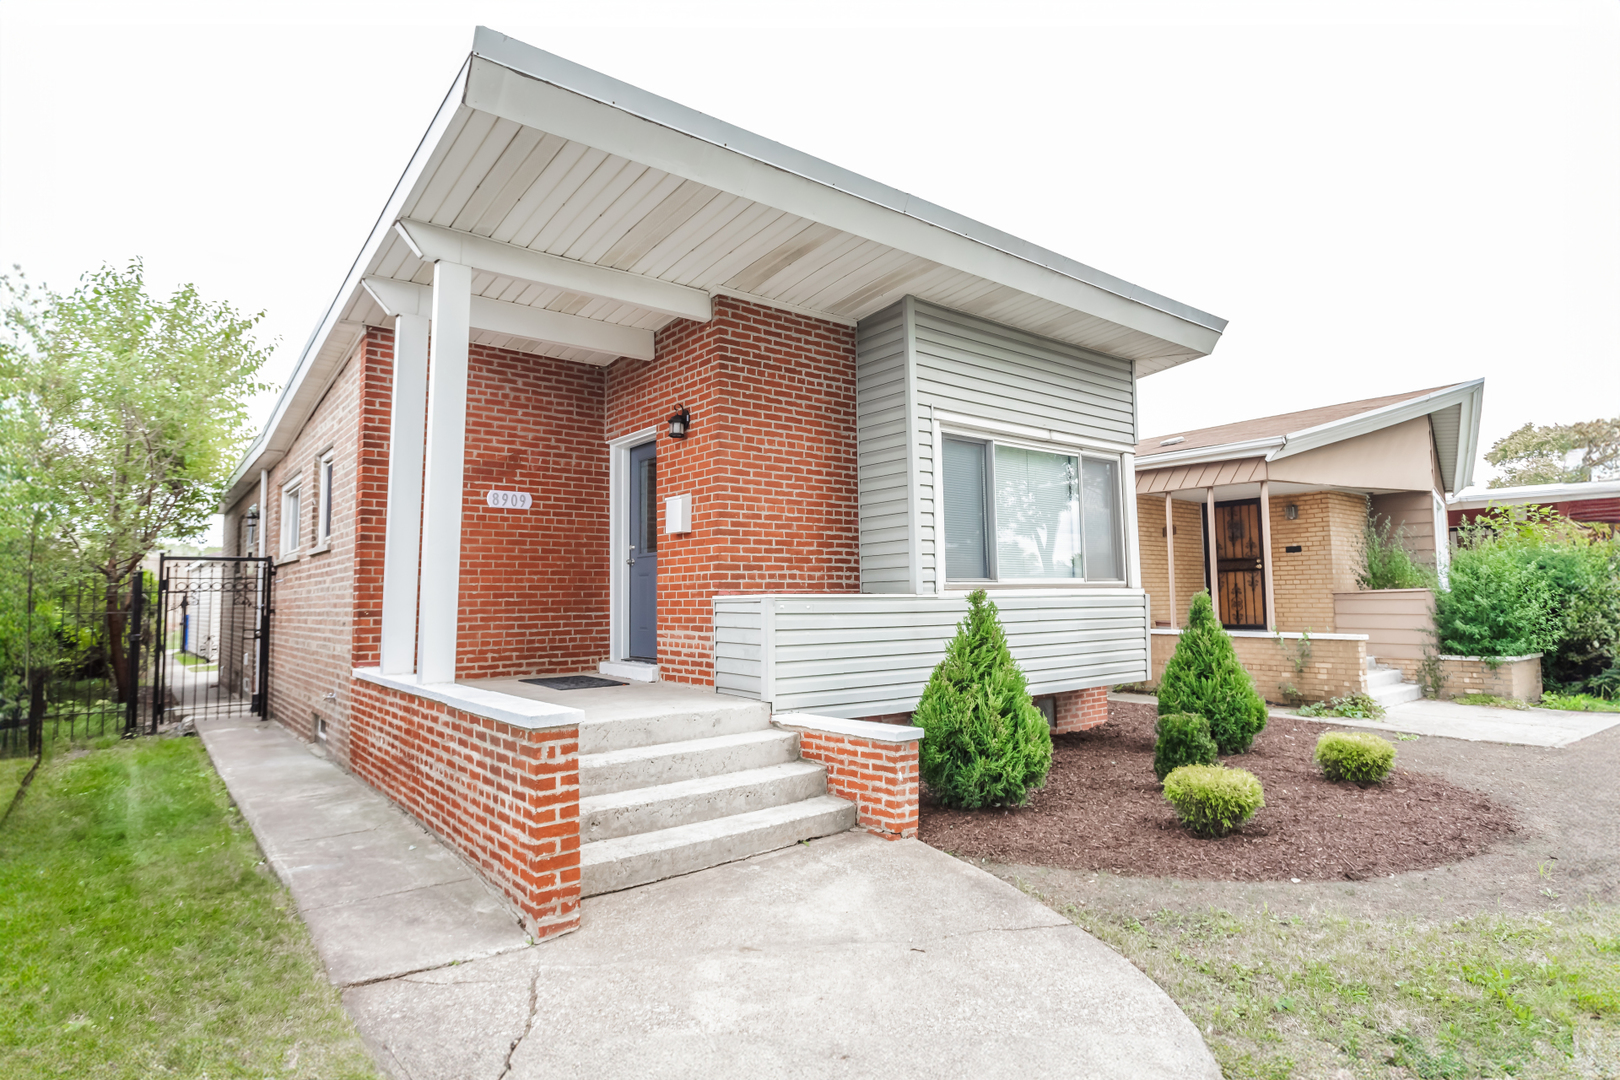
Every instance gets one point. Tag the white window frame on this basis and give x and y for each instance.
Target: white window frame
(291, 531)
(991, 440)
(323, 514)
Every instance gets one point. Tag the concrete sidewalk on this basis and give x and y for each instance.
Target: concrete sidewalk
(848, 956)
(381, 896)
(1480, 723)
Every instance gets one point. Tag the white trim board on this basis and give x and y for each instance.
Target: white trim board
(619, 540)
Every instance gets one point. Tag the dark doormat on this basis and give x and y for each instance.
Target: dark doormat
(572, 682)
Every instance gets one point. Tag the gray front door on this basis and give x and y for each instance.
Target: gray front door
(644, 552)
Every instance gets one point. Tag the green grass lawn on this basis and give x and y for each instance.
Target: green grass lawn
(140, 936)
(1329, 996)
(12, 772)
(201, 663)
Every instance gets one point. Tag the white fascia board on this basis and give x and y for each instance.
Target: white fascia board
(434, 243)
(1529, 493)
(519, 320)
(528, 86)
(1468, 438)
(294, 404)
(1248, 449)
(1366, 423)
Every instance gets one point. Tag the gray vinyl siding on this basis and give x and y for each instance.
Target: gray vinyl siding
(881, 432)
(737, 652)
(969, 365)
(853, 656)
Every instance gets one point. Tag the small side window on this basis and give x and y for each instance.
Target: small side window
(323, 526)
(289, 518)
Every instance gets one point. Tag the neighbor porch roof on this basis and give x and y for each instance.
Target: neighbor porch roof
(594, 213)
(1236, 452)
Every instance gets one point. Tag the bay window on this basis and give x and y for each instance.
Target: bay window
(1013, 513)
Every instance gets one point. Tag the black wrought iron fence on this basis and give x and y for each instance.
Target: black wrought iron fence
(75, 663)
(86, 660)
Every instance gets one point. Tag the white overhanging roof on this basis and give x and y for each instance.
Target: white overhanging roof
(593, 214)
(1453, 411)
(1534, 493)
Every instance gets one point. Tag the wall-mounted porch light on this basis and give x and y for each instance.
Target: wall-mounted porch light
(1291, 512)
(680, 423)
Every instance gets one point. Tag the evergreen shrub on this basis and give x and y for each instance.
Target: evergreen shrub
(1359, 756)
(1204, 677)
(1212, 800)
(985, 742)
(1183, 740)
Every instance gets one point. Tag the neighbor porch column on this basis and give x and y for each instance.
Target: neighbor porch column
(443, 474)
(1209, 537)
(1265, 553)
(402, 541)
(1170, 552)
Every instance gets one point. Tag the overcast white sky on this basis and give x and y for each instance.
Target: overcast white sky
(1380, 197)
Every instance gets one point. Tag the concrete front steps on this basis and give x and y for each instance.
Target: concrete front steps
(669, 793)
(1386, 687)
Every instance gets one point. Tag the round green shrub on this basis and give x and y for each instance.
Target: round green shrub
(1204, 677)
(1183, 740)
(1212, 800)
(985, 743)
(1360, 756)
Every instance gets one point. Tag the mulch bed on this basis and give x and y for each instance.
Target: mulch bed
(1102, 809)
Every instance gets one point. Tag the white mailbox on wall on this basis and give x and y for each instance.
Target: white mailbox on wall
(678, 514)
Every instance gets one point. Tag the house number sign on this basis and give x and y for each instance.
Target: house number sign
(509, 500)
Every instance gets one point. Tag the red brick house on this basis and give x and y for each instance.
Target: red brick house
(615, 388)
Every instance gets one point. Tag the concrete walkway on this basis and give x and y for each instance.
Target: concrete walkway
(1481, 723)
(848, 956)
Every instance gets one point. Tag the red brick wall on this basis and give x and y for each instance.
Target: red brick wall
(770, 464)
(1078, 710)
(505, 797)
(534, 583)
(313, 617)
(880, 778)
(370, 504)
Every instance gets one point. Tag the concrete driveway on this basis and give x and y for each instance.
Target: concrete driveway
(847, 956)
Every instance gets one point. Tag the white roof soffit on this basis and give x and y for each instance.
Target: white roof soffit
(576, 195)
(1457, 445)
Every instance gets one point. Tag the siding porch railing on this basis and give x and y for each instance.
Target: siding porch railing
(870, 654)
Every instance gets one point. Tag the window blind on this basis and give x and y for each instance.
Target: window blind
(966, 553)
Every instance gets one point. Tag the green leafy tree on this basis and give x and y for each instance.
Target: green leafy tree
(986, 744)
(1205, 678)
(136, 410)
(1557, 453)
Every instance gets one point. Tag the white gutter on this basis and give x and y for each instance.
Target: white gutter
(1528, 493)
(1251, 448)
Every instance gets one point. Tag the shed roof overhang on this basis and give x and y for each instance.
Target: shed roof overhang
(1453, 412)
(594, 213)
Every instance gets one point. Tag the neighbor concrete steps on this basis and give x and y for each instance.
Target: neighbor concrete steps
(1386, 685)
(668, 794)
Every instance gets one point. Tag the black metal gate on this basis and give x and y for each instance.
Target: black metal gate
(211, 656)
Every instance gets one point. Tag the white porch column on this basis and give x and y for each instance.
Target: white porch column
(442, 474)
(1170, 552)
(264, 512)
(1265, 553)
(402, 543)
(1209, 538)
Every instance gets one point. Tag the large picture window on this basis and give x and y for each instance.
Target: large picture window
(1018, 514)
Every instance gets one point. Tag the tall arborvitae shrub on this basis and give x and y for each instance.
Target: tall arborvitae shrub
(1204, 677)
(986, 744)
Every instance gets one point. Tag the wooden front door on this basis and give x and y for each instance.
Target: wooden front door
(1241, 589)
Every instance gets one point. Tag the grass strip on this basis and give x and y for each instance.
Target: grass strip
(140, 934)
(1326, 995)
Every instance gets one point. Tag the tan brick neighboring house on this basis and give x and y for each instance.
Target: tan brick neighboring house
(1290, 496)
